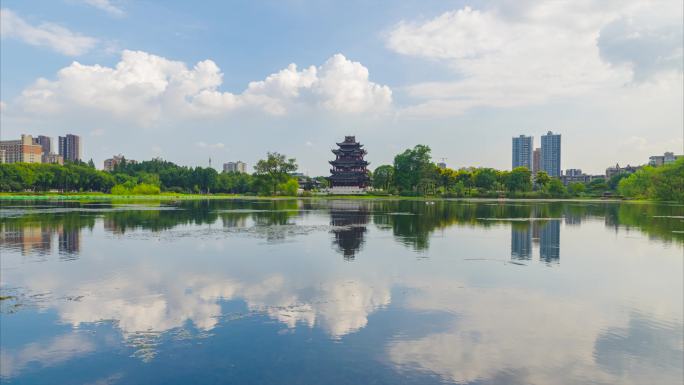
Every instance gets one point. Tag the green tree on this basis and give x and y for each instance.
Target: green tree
(275, 169)
(485, 178)
(576, 188)
(597, 186)
(556, 188)
(520, 179)
(383, 177)
(290, 187)
(541, 179)
(412, 167)
(614, 180)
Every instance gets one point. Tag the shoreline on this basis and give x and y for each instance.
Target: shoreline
(189, 197)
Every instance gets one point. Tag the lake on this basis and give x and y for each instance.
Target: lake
(342, 292)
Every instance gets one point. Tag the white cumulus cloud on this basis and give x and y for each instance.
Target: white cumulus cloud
(543, 50)
(107, 6)
(148, 87)
(49, 35)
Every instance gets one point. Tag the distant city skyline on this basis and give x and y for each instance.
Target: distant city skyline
(177, 81)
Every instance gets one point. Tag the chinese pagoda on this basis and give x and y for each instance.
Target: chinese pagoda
(349, 170)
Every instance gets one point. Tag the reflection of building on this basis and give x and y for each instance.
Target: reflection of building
(349, 220)
(28, 239)
(549, 241)
(234, 220)
(235, 167)
(69, 242)
(522, 151)
(551, 154)
(521, 242)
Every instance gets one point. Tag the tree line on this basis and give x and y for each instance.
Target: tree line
(412, 174)
(271, 177)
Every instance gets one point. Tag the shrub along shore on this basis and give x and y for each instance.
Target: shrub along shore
(412, 174)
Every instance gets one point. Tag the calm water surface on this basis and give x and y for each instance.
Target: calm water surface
(341, 292)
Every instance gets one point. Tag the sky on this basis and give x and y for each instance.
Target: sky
(232, 80)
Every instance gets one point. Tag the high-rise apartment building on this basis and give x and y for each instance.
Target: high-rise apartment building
(551, 154)
(70, 147)
(45, 143)
(235, 167)
(536, 160)
(522, 151)
(20, 151)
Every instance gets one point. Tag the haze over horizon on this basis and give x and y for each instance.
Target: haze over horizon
(232, 82)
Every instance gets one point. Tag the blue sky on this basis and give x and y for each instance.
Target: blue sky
(189, 82)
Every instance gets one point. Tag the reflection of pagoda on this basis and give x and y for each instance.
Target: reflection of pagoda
(349, 168)
(349, 220)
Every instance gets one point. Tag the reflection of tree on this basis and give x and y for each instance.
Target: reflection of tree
(275, 212)
(349, 220)
(412, 222)
(120, 221)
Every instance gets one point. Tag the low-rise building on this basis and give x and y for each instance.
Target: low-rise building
(575, 175)
(612, 171)
(666, 158)
(53, 158)
(235, 167)
(21, 151)
(111, 163)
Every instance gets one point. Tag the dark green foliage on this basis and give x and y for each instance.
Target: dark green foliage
(383, 177)
(661, 183)
(414, 172)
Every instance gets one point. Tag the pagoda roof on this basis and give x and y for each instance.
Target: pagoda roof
(349, 151)
(348, 144)
(351, 162)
